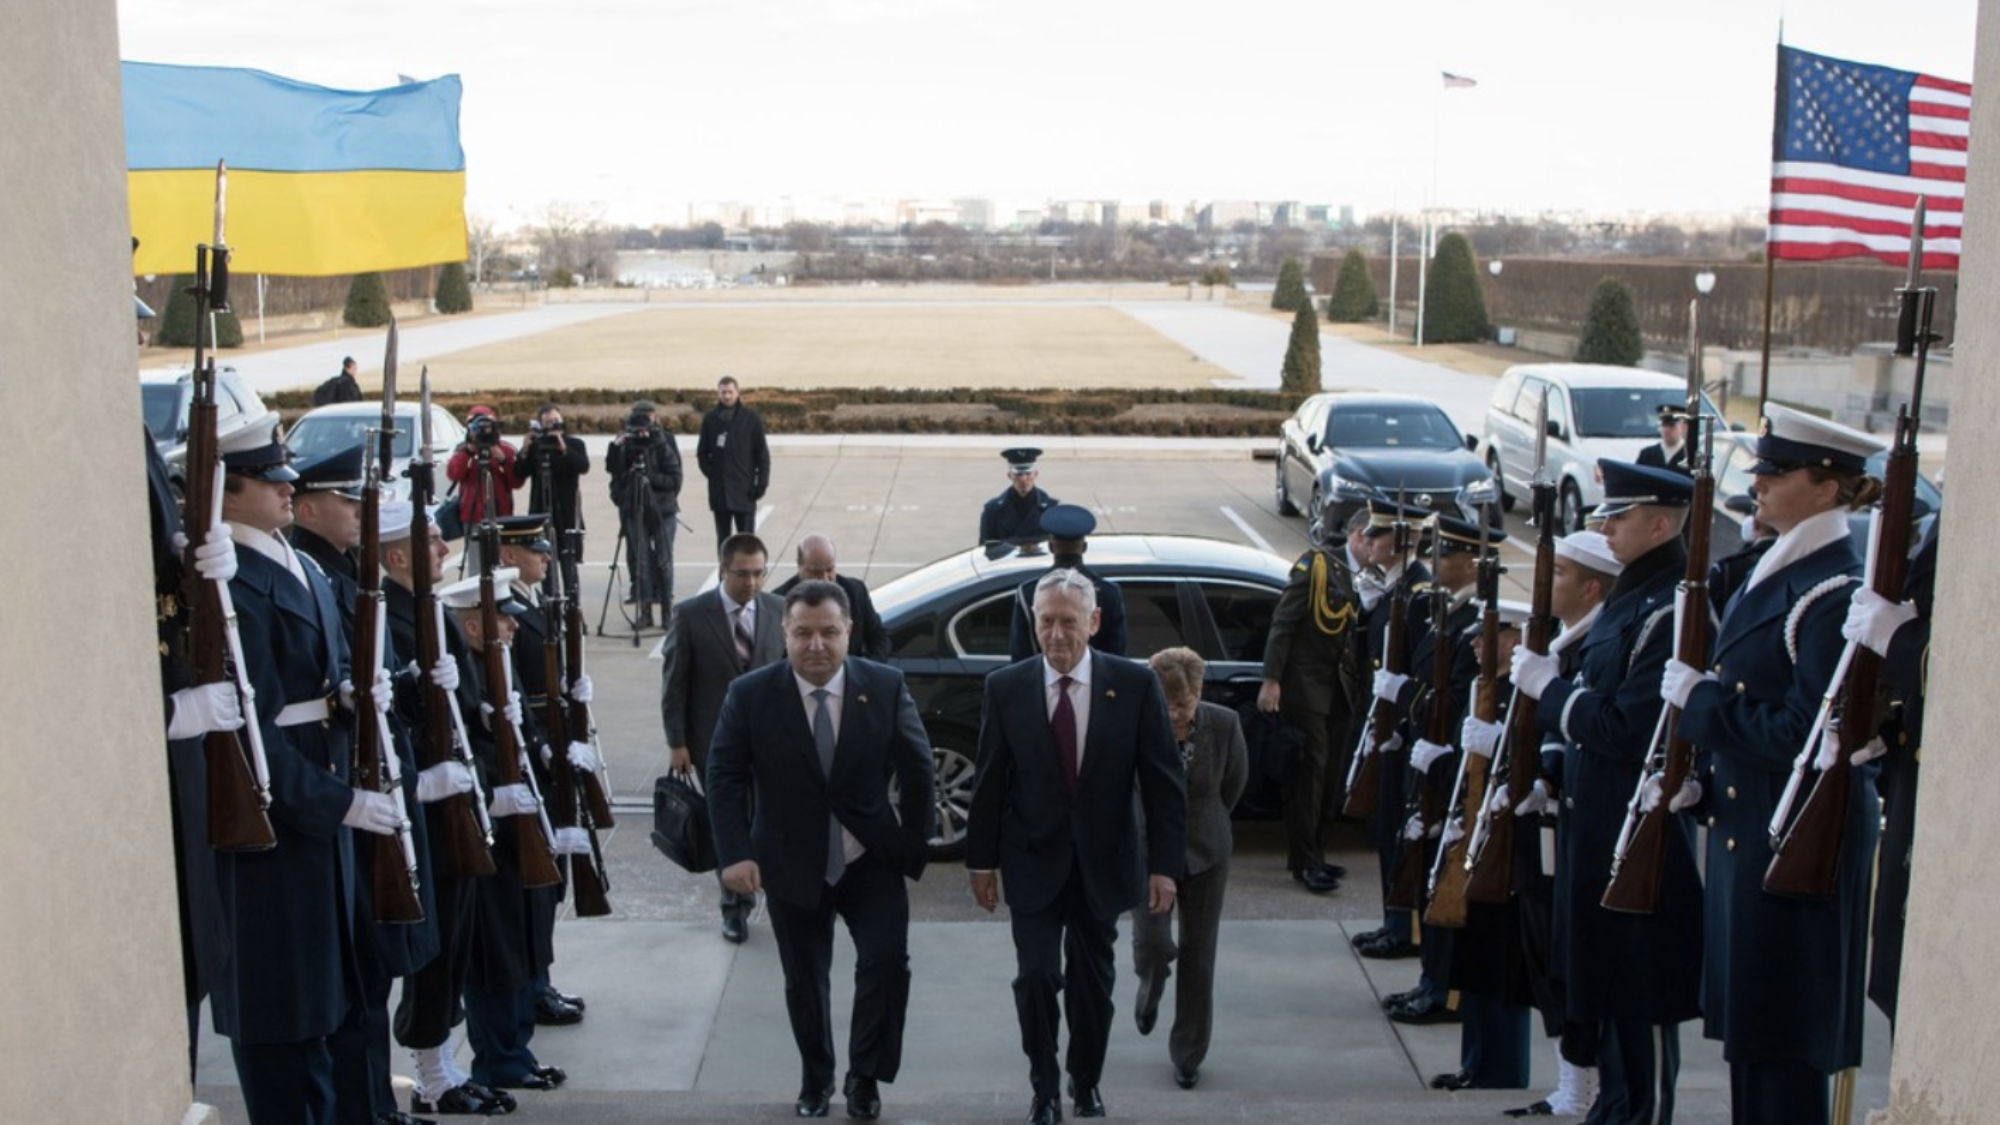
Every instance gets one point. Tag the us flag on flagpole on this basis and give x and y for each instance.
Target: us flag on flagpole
(1853, 146)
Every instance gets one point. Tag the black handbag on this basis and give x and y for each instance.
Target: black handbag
(680, 823)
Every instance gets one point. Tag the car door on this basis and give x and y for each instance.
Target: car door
(1517, 457)
(1302, 465)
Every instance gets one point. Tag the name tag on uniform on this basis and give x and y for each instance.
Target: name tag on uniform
(721, 441)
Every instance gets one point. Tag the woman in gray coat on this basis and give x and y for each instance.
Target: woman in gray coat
(1217, 766)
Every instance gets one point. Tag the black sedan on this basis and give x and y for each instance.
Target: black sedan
(950, 624)
(1341, 450)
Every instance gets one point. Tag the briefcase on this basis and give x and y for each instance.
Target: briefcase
(680, 823)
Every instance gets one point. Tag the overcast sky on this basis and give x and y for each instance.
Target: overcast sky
(632, 108)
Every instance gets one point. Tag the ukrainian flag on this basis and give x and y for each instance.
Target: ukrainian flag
(321, 182)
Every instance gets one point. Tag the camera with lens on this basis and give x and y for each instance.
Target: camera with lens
(639, 425)
(546, 437)
(483, 432)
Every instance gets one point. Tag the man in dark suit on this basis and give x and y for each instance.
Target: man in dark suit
(734, 456)
(713, 638)
(816, 562)
(817, 741)
(1064, 742)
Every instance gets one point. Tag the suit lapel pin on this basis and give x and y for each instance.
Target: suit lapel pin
(1109, 694)
(861, 699)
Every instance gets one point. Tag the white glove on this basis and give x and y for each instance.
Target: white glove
(583, 757)
(571, 841)
(1748, 529)
(373, 812)
(580, 690)
(1453, 832)
(445, 673)
(1538, 800)
(1415, 829)
(1533, 671)
(1649, 794)
(446, 779)
(215, 559)
(512, 800)
(1388, 685)
(1427, 752)
(1501, 801)
(1876, 748)
(1679, 681)
(1872, 620)
(1394, 745)
(198, 710)
(513, 711)
(379, 691)
(1479, 737)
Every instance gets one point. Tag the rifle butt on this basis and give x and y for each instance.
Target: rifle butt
(588, 883)
(1489, 882)
(464, 853)
(538, 863)
(1406, 889)
(1366, 790)
(596, 800)
(236, 818)
(1806, 863)
(1635, 881)
(395, 886)
(1448, 897)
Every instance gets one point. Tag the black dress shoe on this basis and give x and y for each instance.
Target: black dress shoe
(1146, 1009)
(554, 993)
(1045, 1111)
(457, 1100)
(398, 1117)
(1316, 880)
(1423, 1010)
(1390, 948)
(1532, 1109)
(1368, 937)
(551, 1012)
(1186, 1077)
(501, 1098)
(813, 1103)
(1456, 1080)
(1089, 1103)
(733, 928)
(864, 1098)
(1398, 999)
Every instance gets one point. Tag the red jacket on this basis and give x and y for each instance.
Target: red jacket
(463, 471)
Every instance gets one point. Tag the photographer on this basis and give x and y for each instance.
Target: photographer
(645, 467)
(482, 431)
(566, 459)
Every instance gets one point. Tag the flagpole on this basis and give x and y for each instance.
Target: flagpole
(1771, 259)
(1395, 219)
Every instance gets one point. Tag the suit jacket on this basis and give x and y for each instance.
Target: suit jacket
(1025, 822)
(1218, 767)
(871, 637)
(699, 661)
(764, 746)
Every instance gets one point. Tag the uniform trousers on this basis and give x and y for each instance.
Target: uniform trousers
(430, 1003)
(1777, 1092)
(1064, 947)
(360, 1051)
(874, 901)
(1638, 1064)
(1306, 783)
(1198, 904)
(286, 1083)
(1492, 1042)
(498, 1025)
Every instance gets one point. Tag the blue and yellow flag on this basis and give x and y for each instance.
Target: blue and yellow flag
(321, 181)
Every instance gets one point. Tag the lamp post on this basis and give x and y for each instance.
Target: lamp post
(1494, 267)
(1704, 284)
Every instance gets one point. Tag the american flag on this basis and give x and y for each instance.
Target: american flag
(1457, 81)
(1853, 148)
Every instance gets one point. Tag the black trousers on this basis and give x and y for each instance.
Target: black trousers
(874, 901)
(1784, 1090)
(744, 521)
(1064, 948)
(1307, 783)
(1638, 1065)
(430, 1004)
(286, 1083)
(360, 1050)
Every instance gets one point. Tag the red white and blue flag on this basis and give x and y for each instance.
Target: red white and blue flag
(1853, 147)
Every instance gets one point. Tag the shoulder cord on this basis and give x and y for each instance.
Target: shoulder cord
(1794, 619)
(1331, 617)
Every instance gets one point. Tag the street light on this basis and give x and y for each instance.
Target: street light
(1493, 267)
(1704, 282)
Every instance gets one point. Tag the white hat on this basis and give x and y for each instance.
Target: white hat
(1591, 549)
(394, 520)
(464, 594)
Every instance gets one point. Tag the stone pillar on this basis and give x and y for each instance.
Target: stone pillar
(96, 1027)
(1947, 1038)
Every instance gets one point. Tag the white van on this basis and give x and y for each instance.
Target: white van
(1595, 411)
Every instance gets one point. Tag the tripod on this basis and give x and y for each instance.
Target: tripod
(651, 582)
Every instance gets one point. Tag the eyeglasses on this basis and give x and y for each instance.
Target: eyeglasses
(758, 573)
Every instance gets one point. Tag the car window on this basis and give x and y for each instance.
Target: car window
(1242, 616)
(314, 438)
(915, 638)
(1152, 616)
(1529, 401)
(161, 404)
(1732, 476)
(986, 628)
(1623, 412)
(1558, 413)
(1508, 390)
(1382, 427)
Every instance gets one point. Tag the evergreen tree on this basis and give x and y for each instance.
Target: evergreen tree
(1611, 328)
(1353, 297)
(1217, 275)
(1290, 293)
(1300, 374)
(454, 293)
(1454, 308)
(177, 320)
(367, 302)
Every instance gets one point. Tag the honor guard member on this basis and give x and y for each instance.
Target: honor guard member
(1606, 714)
(1015, 515)
(1671, 451)
(289, 911)
(509, 946)
(430, 1006)
(525, 547)
(1414, 697)
(326, 530)
(1068, 528)
(1784, 977)
(1395, 572)
(1312, 677)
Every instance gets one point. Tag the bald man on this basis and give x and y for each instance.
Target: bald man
(817, 564)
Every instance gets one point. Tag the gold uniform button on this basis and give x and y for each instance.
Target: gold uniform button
(1729, 844)
(1711, 822)
(1716, 669)
(1739, 687)
(1730, 792)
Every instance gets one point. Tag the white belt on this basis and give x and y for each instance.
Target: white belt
(299, 714)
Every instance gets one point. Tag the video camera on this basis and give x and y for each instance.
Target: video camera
(547, 437)
(639, 425)
(483, 432)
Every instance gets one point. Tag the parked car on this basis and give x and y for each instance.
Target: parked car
(164, 397)
(330, 429)
(1735, 453)
(950, 624)
(1342, 450)
(1595, 411)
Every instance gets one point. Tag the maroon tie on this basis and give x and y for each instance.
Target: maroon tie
(1063, 726)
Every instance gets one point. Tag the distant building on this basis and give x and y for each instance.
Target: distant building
(975, 214)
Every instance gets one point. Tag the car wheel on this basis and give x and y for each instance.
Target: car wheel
(1285, 505)
(1569, 508)
(1315, 515)
(956, 765)
(1500, 483)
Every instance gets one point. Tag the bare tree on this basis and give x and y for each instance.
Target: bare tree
(573, 242)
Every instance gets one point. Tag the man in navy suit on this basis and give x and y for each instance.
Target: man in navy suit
(1065, 740)
(813, 745)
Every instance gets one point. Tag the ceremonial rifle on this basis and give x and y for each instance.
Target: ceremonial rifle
(1364, 773)
(1805, 855)
(463, 843)
(1641, 853)
(565, 617)
(1407, 885)
(532, 833)
(586, 871)
(1451, 870)
(377, 766)
(239, 780)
